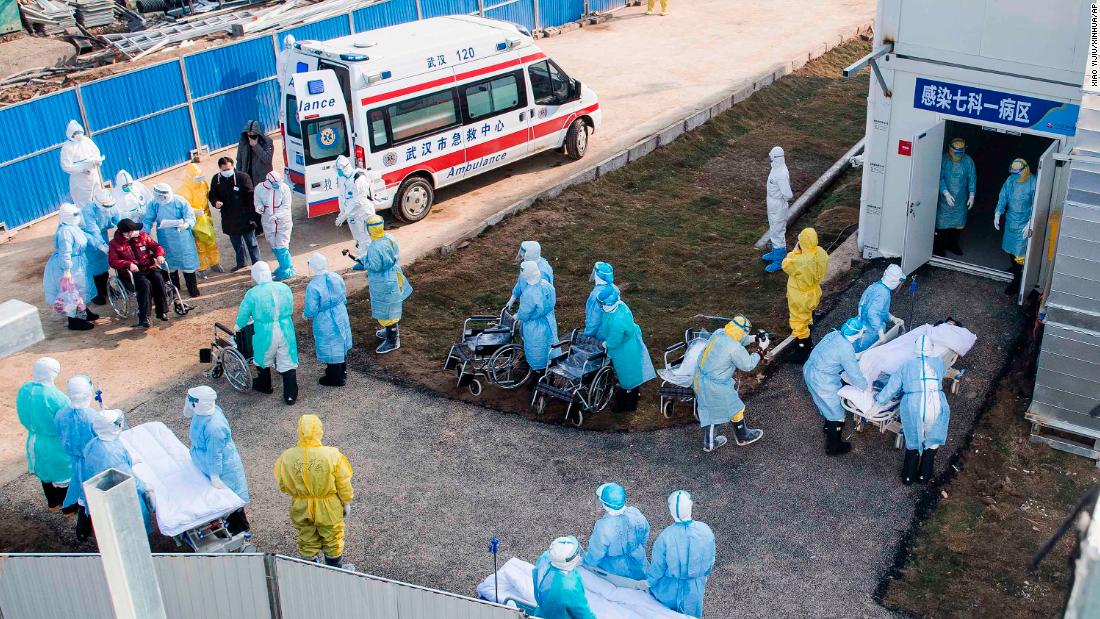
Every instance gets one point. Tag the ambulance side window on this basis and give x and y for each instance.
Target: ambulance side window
(379, 135)
(413, 118)
(293, 126)
(494, 96)
(549, 83)
(342, 76)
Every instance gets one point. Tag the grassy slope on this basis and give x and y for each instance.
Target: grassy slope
(678, 226)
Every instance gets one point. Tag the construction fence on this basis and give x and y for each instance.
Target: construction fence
(227, 586)
(159, 116)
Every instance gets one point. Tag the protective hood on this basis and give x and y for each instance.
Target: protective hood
(376, 227)
(123, 178)
(105, 199)
(252, 126)
(45, 370)
(200, 401)
(69, 214)
(72, 128)
(923, 346)
(893, 276)
(1020, 168)
(853, 328)
(317, 263)
(613, 498)
(609, 298)
(190, 185)
(603, 273)
(776, 155)
(344, 167)
(738, 328)
(80, 391)
(529, 271)
(679, 505)
(107, 424)
(162, 192)
(807, 239)
(529, 250)
(310, 431)
(565, 553)
(273, 180)
(261, 272)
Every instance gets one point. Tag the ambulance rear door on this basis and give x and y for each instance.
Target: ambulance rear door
(324, 130)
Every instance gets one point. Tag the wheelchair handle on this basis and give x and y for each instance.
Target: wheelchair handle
(230, 332)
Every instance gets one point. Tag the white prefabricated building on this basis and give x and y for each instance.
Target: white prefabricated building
(1011, 78)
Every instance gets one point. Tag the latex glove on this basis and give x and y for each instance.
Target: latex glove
(949, 198)
(347, 509)
(996, 221)
(340, 219)
(511, 302)
(169, 223)
(217, 482)
(970, 202)
(183, 225)
(763, 344)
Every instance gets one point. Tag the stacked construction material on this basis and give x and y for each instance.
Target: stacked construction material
(49, 17)
(93, 13)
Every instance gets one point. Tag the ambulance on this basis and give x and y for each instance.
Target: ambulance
(424, 105)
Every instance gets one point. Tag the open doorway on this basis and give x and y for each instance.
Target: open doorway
(992, 151)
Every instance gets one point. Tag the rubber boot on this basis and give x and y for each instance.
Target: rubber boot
(711, 439)
(927, 466)
(286, 268)
(744, 435)
(392, 341)
(333, 561)
(909, 466)
(954, 246)
(290, 386)
(262, 382)
(777, 260)
(771, 256)
(192, 284)
(79, 324)
(835, 445)
(800, 350)
(335, 375)
(380, 333)
(939, 239)
(1013, 287)
(101, 282)
(89, 314)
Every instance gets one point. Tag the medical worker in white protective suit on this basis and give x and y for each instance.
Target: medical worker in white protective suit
(924, 410)
(356, 206)
(779, 195)
(270, 307)
(81, 160)
(272, 200)
(132, 197)
(213, 451)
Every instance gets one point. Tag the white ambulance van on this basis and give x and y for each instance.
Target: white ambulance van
(424, 105)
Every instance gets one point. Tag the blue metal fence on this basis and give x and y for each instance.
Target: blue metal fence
(155, 118)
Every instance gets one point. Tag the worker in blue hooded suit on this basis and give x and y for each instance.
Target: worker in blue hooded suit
(958, 181)
(174, 220)
(874, 307)
(327, 306)
(97, 217)
(74, 429)
(213, 450)
(559, 589)
(622, 337)
(716, 395)
(682, 559)
(538, 322)
(530, 251)
(69, 261)
(105, 451)
(603, 277)
(835, 354)
(925, 413)
(618, 540)
(1014, 203)
(388, 285)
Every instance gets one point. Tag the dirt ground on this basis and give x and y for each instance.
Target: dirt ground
(970, 557)
(661, 222)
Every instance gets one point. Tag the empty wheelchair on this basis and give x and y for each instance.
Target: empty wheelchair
(681, 360)
(488, 349)
(230, 355)
(580, 376)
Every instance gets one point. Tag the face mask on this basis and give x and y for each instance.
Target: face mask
(227, 173)
(76, 136)
(274, 185)
(126, 189)
(162, 199)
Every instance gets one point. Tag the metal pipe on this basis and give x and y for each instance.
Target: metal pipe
(811, 195)
(124, 546)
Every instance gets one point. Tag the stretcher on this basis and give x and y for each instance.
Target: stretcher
(515, 587)
(188, 508)
(877, 363)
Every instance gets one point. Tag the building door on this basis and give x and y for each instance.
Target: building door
(1040, 211)
(926, 153)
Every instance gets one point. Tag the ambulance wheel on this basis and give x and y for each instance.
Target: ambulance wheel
(414, 200)
(576, 140)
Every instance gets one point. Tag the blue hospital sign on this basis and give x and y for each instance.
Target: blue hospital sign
(1002, 108)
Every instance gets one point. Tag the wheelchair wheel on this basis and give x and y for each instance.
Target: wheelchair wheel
(667, 405)
(217, 370)
(539, 404)
(507, 368)
(576, 419)
(119, 298)
(237, 369)
(474, 387)
(601, 389)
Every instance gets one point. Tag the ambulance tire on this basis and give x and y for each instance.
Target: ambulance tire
(414, 200)
(576, 140)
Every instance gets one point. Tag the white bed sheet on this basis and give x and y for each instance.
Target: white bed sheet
(887, 358)
(683, 374)
(183, 496)
(605, 599)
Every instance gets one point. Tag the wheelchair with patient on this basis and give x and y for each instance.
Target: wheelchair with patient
(681, 359)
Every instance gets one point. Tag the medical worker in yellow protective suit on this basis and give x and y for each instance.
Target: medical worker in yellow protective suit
(195, 190)
(318, 480)
(805, 267)
(651, 4)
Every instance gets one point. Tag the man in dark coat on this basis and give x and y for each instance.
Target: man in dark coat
(254, 152)
(231, 193)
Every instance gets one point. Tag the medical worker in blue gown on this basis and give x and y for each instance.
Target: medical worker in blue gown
(622, 337)
(538, 323)
(69, 261)
(105, 451)
(174, 219)
(835, 354)
(74, 428)
(682, 559)
(529, 250)
(619, 538)
(874, 307)
(213, 451)
(559, 590)
(924, 410)
(958, 180)
(602, 277)
(1014, 204)
(388, 285)
(326, 305)
(715, 387)
(97, 217)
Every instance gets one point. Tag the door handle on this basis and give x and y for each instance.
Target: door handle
(523, 115)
